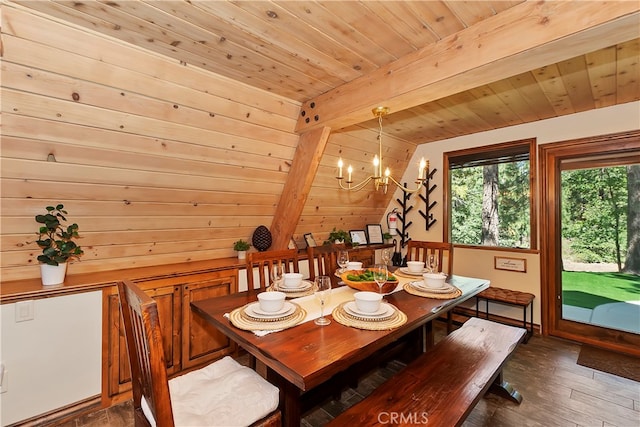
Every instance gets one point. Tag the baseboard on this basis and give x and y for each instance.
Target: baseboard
(61, 415)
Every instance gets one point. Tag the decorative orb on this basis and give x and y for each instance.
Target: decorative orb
(261, 238)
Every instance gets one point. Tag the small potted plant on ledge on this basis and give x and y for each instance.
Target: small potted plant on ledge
(242, 247)
(338, 236)
(56, 241)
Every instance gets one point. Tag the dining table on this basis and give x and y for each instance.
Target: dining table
(302, 357)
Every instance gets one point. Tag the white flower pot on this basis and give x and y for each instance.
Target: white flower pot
(242, 254)
(53, 274)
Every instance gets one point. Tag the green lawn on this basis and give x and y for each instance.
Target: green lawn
(588, 290)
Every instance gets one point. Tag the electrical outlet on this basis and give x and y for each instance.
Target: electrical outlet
(4, 382)
(25, 311)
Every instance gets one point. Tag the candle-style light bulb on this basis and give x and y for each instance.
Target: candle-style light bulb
(340, 164)
(349, 170)
(376, 162)
(387, 174)
(423, 165)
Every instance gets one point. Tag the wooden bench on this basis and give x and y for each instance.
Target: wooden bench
(441, 386)
(508, 297)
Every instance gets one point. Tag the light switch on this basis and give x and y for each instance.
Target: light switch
(4, 381)
(24, 311)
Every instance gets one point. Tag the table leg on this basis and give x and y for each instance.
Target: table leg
(428, 339)
(290, 400)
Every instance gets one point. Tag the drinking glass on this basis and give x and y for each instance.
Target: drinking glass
(277, 275)
(343, 260)
(380, 275)
(432, 263)
(323, 295)
(386, 256)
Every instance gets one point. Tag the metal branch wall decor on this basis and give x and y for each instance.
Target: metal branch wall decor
(429, 220)
(402, 218)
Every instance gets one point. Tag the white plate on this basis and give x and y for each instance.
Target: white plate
(384, 310)
(254, 310)
(304, 286)
(421, 286)
(406, 270)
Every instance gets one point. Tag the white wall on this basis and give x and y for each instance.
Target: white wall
(53, 360)
(479, 262)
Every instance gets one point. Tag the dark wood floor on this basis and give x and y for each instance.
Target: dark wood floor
(557, 392)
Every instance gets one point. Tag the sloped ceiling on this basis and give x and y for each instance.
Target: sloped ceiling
(303, 49)
(445, 69)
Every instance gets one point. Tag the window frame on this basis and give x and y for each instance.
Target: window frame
(448, 156)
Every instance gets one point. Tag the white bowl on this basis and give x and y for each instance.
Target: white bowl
(434, 280)
(367, 302)
(271, 301)
(292, 280)
(415, 266)
(354, 265)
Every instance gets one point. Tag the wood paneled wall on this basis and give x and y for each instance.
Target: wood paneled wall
(157, 161)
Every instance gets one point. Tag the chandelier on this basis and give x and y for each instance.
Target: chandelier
(380, 180)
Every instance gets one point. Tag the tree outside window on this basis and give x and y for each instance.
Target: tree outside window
(490, 201)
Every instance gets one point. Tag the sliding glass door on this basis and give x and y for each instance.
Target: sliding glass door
(591, 240)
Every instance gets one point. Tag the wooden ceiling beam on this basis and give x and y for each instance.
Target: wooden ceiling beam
(303, 170)
(525, 37)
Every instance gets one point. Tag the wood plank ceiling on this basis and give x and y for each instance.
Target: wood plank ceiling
(302, 49)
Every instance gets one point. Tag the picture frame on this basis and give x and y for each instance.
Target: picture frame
(358, 236)
(374, 234)
(510, 264)
(310, 240)
(293, 244)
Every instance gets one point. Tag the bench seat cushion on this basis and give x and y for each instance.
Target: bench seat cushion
(507, 295)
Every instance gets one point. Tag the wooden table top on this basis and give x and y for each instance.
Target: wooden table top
(306, 355)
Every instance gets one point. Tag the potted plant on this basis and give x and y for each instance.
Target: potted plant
(242, 247)
(387, 237)
(338, 236)
(56, 241)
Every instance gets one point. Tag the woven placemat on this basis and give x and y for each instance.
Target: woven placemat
(241, 320)
(406, 275)
(341, 316)
(444, 294)
(295, 294)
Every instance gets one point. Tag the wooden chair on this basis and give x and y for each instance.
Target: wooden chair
(323, 261)
(264, 262)
(420, 251)
(221, 393)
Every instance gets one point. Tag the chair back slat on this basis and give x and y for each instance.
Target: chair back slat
(146, 354)
(323, 261)
(263, 262)
(420, 251)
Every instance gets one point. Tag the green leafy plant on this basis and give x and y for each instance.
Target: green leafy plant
(387, 236)
(339, 235)
(56, 239)
(241, 245)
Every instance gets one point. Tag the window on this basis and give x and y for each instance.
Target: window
(490, 201)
